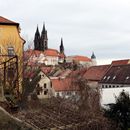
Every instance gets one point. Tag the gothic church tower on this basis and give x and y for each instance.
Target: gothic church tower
(37, 40)
(44, 39)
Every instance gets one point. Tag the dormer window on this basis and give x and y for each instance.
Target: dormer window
(11, 51)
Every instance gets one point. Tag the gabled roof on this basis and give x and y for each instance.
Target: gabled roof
(51, 52)
(63, 85)
(95, 73)
(78, 72)
(80, 58)
(119, 74)
(4, 21)
(48, 52)
(121, 62)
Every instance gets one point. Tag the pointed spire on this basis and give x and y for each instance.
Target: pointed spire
(61, 46)
(43, 29)
(37, 31)
(93, 56)
(37, 39)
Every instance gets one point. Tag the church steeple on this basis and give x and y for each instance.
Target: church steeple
(37, 40)
(93, 56)
(44, 39)
(61, 46)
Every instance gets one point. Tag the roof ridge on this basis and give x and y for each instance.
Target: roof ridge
(4, 20)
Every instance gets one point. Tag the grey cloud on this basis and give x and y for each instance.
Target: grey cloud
(86, 25)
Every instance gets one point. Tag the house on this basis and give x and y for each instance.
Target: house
(94, 74)
(116, 79)
(64, 88)
(44, 87)
(11, 50)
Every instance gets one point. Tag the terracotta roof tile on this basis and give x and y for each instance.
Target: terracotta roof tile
(51, 52)
(62, 84)
(121, 62)
(7, 21)
(95, 73)
(80, 58)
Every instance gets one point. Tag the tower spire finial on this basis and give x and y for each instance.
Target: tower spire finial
(44, 28)
(61, 46)
(37, 39)
(93, 55)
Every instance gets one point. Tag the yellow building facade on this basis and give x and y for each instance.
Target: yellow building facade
(11, 53)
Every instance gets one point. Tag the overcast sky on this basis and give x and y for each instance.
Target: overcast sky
(102, 26)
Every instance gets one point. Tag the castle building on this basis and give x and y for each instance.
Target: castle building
(41, 53)
(44, 55)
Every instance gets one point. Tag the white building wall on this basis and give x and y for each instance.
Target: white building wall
(51, 60)
(45, 80)
(108, 94)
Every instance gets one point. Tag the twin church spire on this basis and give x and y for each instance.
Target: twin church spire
(41, 41)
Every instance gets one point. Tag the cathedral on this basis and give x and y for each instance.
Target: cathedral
(42, 54)
(41, 40)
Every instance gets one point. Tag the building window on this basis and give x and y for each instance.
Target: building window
(109, 86)
(45, 92)
(11, 51)
(102, 86)
(45, 85)
(106, 86)
(57, 94)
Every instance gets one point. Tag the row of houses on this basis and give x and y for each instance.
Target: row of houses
(106, 77)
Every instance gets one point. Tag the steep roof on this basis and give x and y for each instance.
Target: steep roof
(95, 73)
(119, 74)
(51, 52)
(5, 21)
(63, 84)
(121, 62)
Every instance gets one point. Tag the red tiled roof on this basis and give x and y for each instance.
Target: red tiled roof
(81, 58)
(51, 52)
(120, 62)
(62, 84)
(48, 52)
(79, 72)
(7, 21)
(95, 73)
